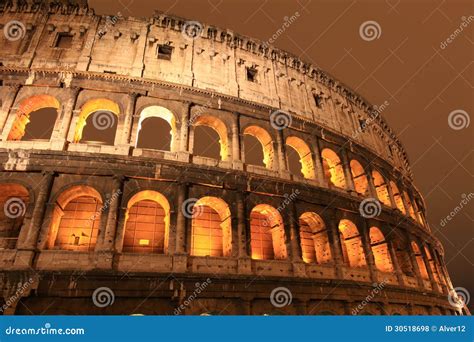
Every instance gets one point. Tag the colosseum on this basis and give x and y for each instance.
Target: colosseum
(181, 168)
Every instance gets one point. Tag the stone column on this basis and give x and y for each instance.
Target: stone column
(282, 166)
(60, 133)
(186, 121)
(390, 194)
(335, 244)
(236, 154)
(416, 269)
(113, 203)
(434, 284)
(299, 268)
(405, 204)
(347, 171)
(181, 219)
(8, 99)
(396, 265)
(318, 165)
(369, 256)
(370, 180)
(124, 128)
(243, 252)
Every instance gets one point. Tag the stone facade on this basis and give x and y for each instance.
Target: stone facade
(234, 85)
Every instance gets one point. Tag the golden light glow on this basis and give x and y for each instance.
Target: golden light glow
(351, 244)
(361, 184)
(419, 260)
(410, 206)
(381, 188)
(266, 141)
(144, 242)
(306, 158)
(220, 128)
(397, 197)
(333, 168)
(163, 113)
(314, 239)
(380, 251)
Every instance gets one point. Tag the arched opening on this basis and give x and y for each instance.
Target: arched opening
(267, 233)
(333, 169)
(35, 118)
(14, 200)
(156, 129)
(402, 248)
(397, 197)
(265, 147)
(432, 264)
(351, 244)
(361, 184)
(211, 228)
(421, 214)
(97, 122)
(314, 239)
(379, 247)
(76, 219)
(411, 211)
(147, 223)
(210, 138)
(305, 158)
(419, 260)
(381, 188)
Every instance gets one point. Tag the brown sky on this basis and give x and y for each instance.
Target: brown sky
(405, 66)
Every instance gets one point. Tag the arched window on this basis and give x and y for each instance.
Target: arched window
(305, 157)
(432, 264)
(211, 228)
(381, 188)
(397, 197)
(379, 247)
(333, 169)
(402, 248)
(351, 244)
(14, 200)
(156, 129)
(252, 153)
(419, 260)
(210, 138)
(147, 223)
(76, 219)
(411, 211)
(267, 233)
(35, 118)
(314, 239)
(97, 122)
(361, 184)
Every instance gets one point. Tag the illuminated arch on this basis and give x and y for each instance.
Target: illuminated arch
(351, 243)
(221, 129)
(266, 141)
(90, 107)
(397, 197)
(433, 266)
(411, 211)
(162, 113)
(267, 234)
(402, 248)
(381, 188)
(419, 260)
(306, 158)
(147, 221)
(14, 201)
(333, 168)
(27, 107)
(76, 219)
(211, 228)
(361, 183)
(314, 239)
(380, 250)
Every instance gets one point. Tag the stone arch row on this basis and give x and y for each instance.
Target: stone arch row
(79, 212)
(258, 146)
